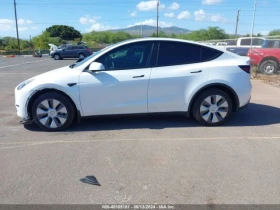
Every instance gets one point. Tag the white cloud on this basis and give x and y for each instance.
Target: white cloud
(21, 21)
(148, 5)
(5, 27)
(23, 28)
(100, 27)
(9, 25)
(170, 15)
(184, 15)
(6, 21)
(133, 14)
(88, 20)
(174, 6)
(217, 18)
(264, 32)
(152, 22)
(211, 1)
(199, 15)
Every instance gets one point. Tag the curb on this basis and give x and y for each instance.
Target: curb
(14, 56)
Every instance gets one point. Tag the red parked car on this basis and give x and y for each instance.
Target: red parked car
(267, 59)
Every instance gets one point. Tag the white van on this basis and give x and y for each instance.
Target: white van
(257, 42)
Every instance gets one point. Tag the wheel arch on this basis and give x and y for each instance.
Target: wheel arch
(228, 90)
(269, 58)
(36, 94)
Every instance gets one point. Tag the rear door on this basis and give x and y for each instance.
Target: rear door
(178, 69)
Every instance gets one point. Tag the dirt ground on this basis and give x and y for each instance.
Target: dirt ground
(273, 80)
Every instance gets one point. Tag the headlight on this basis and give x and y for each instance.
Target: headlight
(21, 85)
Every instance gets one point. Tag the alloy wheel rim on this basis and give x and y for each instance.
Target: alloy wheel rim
(57, 57)
(51, 113)
(214, 108)
(82, 56)
(269, 69)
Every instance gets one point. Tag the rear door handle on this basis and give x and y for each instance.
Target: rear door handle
(138, 76)
(193, 72)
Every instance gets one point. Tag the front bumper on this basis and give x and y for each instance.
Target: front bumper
(21, 101)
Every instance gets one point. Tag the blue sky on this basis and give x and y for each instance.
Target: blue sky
(34, 16)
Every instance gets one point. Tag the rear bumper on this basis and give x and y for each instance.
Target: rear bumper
(244, 106)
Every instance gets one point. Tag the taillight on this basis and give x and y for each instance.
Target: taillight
(249, 53)
(246, 68)
(88, 49)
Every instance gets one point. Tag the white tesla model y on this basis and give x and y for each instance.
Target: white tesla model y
(139, 76)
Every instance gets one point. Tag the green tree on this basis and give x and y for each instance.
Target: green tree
(212, 33)
(173, 35)
(275, 32)
(64, 32)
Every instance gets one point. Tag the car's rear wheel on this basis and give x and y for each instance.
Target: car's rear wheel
(269, 67)
(53, 111)
(57, 57)
(81, 56)
(212, 107)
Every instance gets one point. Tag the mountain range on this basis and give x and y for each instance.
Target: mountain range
(149, 30)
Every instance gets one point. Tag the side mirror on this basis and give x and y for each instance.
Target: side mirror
(95, 66)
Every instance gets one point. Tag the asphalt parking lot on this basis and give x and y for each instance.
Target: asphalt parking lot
(169, 160)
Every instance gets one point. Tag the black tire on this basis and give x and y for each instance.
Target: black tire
(269, 67)
(81, 56)
(199, 105)
(64, 102)
(57, 56)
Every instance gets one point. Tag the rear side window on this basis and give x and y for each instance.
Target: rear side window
(255, 41)
(245, 42)
(208, 54)
(178, 53)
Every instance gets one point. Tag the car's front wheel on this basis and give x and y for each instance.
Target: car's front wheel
(53, 111)
(212, 107)
(57, 57)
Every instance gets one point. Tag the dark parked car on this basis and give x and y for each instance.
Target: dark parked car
(242, 51)
(71, 51)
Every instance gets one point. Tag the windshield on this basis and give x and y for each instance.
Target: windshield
(90, 57)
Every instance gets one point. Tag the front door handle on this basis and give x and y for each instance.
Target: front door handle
(193, 72)
(138, 76)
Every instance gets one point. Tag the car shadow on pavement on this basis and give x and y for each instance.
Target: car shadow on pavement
(253, 115)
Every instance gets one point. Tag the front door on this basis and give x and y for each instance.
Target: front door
(122, 87)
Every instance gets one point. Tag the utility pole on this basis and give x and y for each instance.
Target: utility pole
(15, 8)
(253, 23)
(237, 19)
(141, 30)
(157, 15)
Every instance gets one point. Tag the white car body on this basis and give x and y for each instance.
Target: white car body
(161, 89)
